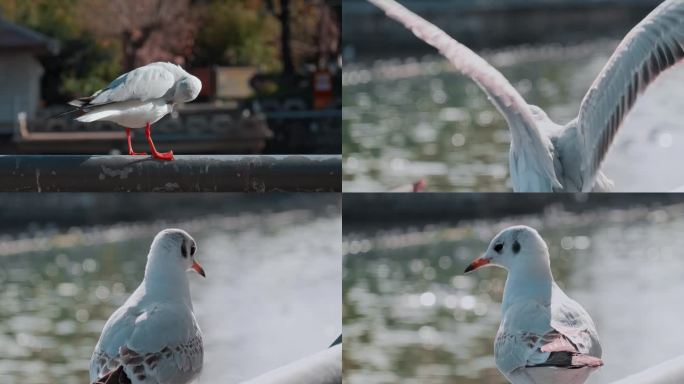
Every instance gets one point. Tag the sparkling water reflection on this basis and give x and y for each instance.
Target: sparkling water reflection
(264, 273)
(407, 119)
(412, 316)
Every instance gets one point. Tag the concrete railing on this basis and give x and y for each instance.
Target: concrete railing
(669, 372)
(206, 173)
(324, 367)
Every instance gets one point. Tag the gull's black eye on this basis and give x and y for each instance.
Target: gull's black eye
(516, 247)
(192, 250)
(184, 251)
(498, 247)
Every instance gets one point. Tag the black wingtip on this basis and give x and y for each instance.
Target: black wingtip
(66, 113)
(337, 341)
(115, 377)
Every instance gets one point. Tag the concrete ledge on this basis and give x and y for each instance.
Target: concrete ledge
(188, 173)
(669, 372)
(324, 367)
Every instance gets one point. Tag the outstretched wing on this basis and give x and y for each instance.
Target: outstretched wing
(499, 90)
(152, 81)
(653, 46)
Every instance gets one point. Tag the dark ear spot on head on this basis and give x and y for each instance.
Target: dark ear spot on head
(184, 250)
(516, 247)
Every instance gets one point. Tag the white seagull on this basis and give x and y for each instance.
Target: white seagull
(544, 336)
(153, 338)
(548, 157)
(140, 98)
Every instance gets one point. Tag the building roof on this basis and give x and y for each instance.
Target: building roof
(14, 37)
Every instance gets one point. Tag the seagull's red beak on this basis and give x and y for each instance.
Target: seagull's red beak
(198, 268)
(477, 263)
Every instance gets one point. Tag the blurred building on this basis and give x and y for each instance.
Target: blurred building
(20, 71)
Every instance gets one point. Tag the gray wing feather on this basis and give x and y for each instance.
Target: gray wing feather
(144, 83)
(171, 362)
(163, 342)
(573, 322)
(498, 89)
(653, 46)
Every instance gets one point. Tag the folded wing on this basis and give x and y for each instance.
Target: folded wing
(160, 343)
(152, 81)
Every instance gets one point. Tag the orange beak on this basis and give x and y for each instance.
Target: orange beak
(198, 268)
(477, 263)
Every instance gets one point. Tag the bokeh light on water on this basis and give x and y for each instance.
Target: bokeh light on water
(412, 316)
(265, 273)
(412, 118)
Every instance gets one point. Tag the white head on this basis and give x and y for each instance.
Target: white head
(172, 251)
(187, 89)
(515, 248)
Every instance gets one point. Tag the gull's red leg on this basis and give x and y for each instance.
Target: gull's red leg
(161, 156)
(130, 146)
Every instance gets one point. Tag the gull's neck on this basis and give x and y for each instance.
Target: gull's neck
(166, 281)
(530, 280)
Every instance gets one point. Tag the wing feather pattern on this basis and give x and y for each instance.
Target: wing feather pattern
(498, 89)
(650, 48)
(152, 81)
(156, 344)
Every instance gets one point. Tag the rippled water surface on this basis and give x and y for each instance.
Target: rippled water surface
(412, 316)
(408, 119)
(265, 274)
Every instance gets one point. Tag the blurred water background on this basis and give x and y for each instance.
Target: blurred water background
(407, 115)
(412, 316)
(272, 264)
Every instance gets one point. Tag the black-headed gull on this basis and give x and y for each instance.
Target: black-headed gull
(154, 337)
(548, 157)
(544, 336)
(140, 98)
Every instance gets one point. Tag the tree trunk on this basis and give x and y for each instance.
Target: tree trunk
(285, 50)
(133, 41)
(128, 50)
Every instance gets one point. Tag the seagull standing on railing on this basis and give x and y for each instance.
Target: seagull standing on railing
(548, 157)
(544, 336)
(153, 337)
(140, 98)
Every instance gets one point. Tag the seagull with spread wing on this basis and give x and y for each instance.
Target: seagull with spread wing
(548, 157)
(140, 98)
(544, 336)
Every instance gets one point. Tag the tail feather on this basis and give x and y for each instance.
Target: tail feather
(81, 102)
(114, 377)
(66, 113)
(95, 115)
